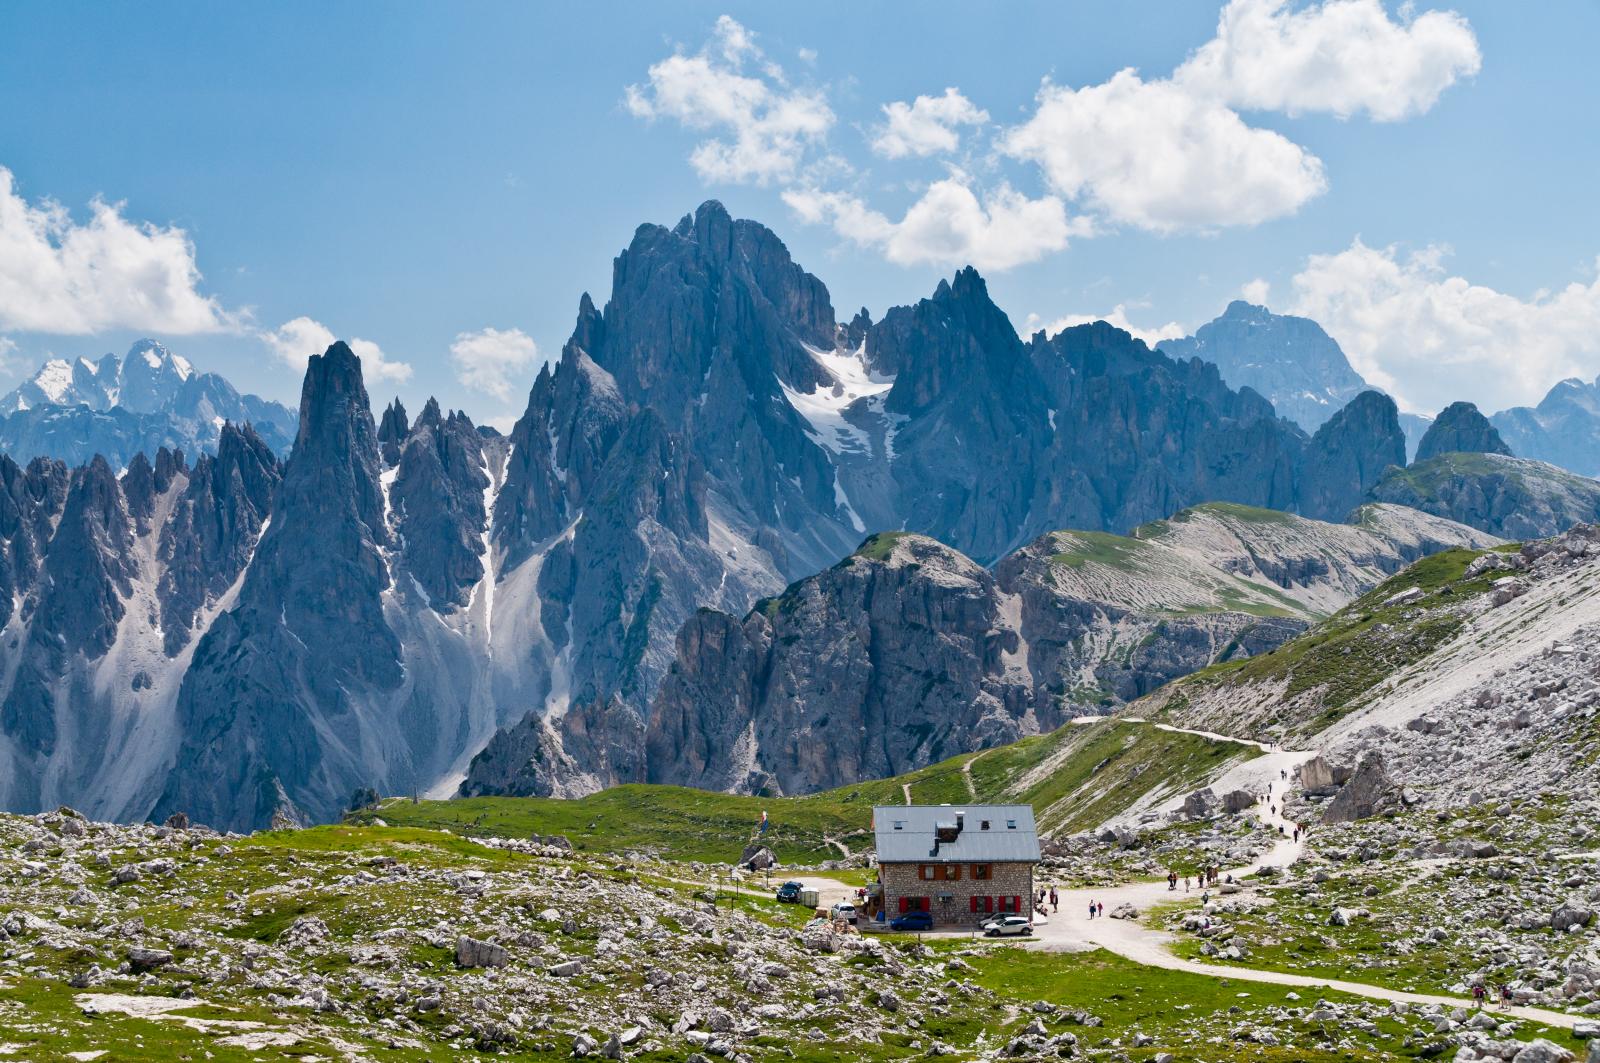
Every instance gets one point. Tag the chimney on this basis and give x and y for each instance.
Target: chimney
(961, 821)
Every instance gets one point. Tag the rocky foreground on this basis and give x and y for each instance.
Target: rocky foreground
(383, 943)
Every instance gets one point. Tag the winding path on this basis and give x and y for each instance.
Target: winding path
(1073, 931)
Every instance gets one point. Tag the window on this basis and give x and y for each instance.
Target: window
(914, 904)
(938, 872)
(984, 825)
(1011, 824)
(899, 824)
(981, 871)
(983, 905)
(1010, 904)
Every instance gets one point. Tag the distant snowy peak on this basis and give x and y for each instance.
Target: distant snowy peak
(119, 407)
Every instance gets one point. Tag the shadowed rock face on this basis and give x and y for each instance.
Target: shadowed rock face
(1461, 429)
(213, 528)
(438, 500)
(290, 663)
(911, 648)
(1349, 454)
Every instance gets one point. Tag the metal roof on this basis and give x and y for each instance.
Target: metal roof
(907, 833)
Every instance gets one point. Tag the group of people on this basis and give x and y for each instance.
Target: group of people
(1095, 909)
(1053, 898)
(1480, 995)
(1206, 877)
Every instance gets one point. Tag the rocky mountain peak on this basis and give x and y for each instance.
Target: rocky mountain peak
(1461, 429)
(1349, 454)
(392, 429)
(1290, 360)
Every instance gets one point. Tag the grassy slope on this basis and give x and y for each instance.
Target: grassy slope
(1356, 649)
(1092, 773)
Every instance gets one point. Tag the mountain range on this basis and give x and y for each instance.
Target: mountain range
(119, 407)
(421, 606)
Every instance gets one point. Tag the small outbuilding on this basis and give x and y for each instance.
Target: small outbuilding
(961, 864)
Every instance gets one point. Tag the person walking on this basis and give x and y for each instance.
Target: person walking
(1091, 909)
(1055, 900)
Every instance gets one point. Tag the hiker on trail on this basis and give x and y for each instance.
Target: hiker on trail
(1505, 995)
(1205, 898)
(1477, 995)
(1091, 909)
(1102, 909)
(1186, 883)
(1297, 834)
(1055, 900)
(1172, 881)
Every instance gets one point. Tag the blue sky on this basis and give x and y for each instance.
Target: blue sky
(417, 174)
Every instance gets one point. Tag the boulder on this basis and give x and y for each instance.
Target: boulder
(470, 952)
(1316, 776)
(1238, 801)
(1368, 792)
(1201, 804)
(143, 959)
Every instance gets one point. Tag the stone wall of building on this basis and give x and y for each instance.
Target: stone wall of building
(1006, 880)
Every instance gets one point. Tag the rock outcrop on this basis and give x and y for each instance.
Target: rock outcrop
(1514, 498)
(1460, 429)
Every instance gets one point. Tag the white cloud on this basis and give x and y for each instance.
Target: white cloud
(948, 225)
(927, 125)
(486, 360)
(1118, 317)
(1255, 291)
(771, 125)
(59, 276)
(1429, 338)
(1341, 56)
(1151, 155)
(297, 340)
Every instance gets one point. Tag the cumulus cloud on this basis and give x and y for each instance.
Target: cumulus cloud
(1429, 338)
(1118, 317)
(62, 276)
(1151, 155)
(297, 340)
(948, 225)
(927, 125)
(764, 126)
(487, 360)
(1173, 154)
(1342, 57)
(1255, 291)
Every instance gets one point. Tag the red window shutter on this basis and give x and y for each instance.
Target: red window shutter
(1016, 904)
(974, 904)
(903, 904)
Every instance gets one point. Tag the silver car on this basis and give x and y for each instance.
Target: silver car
(1007, 926)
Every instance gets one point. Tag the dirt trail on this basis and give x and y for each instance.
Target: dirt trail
(1073, 931)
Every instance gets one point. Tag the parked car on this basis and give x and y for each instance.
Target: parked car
(912, 920)
(789, 892)
(1007, 926)
(847, 912)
